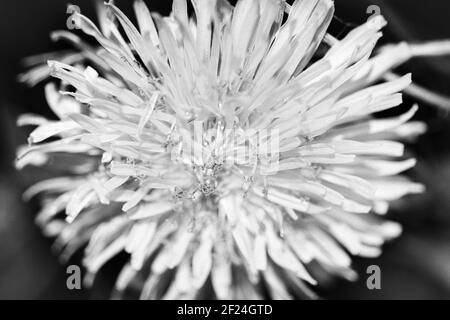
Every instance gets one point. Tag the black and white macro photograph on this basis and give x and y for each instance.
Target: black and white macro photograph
(243, 151)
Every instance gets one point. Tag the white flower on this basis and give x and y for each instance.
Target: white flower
(156, 129)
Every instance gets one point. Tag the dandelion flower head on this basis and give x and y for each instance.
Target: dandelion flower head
(223, 151)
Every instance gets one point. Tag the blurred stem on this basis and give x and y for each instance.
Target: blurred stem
(422, 93)
(430, 49)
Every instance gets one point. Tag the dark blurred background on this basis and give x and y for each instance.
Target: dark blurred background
(416, 266)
